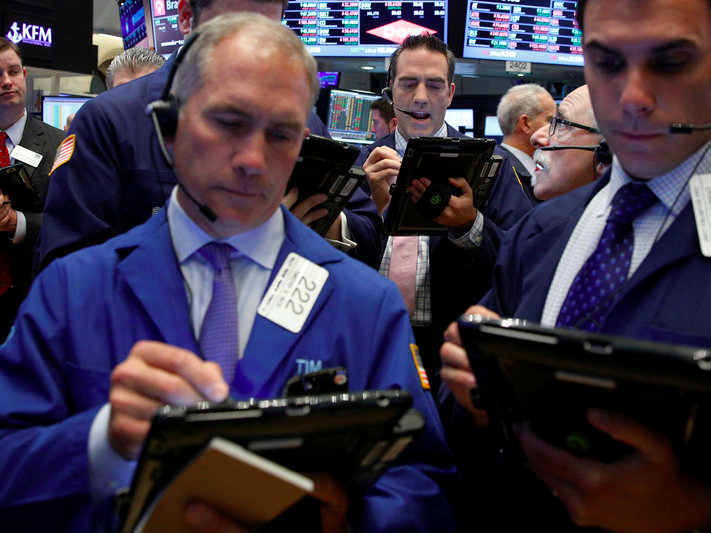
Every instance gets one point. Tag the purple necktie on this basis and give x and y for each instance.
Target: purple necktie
(598, 281)
(219, 335)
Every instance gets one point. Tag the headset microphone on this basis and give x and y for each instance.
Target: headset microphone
(602, 150)
(679, 127)
(164, 114)
(588, 147)
(387, 93)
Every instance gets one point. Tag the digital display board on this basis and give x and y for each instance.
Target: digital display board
(328, 79)
(167, 36)
(56, 109)
(133, 24)
(535, 31)
(350, 116)
(363, 28)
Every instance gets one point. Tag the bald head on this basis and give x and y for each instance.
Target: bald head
(561, 171)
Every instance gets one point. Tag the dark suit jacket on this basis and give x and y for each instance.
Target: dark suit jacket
(524, 176)
(43, 139)
(459, 277)
(665, 300)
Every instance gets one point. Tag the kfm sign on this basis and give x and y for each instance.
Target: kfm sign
(30, 34)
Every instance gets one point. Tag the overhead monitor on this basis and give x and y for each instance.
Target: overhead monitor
(350, 116)
(167, 36)
(461, 119)
(56, 109)
(328, 79)
(534, 31)
(492, 127)
(132, 16)
(364, 28)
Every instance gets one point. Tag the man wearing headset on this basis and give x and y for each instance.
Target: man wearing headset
(566, 156)
(650, 87)
(447, 271)
(117, 178)
(110, 333)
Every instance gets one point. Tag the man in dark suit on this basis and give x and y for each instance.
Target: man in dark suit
(32, 144)
(522, 110)
(117, 178)
(643, 78)
(449, 268)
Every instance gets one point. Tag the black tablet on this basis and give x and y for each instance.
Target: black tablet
(326, 166)
(15, 182)
(353, 436)
(551, 376)
(439, 159)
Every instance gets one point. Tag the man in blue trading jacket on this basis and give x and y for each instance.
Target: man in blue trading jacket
(454, 268)
(642, 77)
(110, 333)
(117, 177)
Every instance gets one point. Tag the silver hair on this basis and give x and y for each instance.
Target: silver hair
(189, 77)
(133, 60)
(519, 100)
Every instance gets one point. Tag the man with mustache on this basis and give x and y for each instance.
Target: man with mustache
(561, 171)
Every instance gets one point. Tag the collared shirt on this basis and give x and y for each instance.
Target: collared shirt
(526, 160)
(672, 190)
(252, 262)
(422, 316)
(14, 134)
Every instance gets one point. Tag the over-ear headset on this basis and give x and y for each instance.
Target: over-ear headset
(387, 93)
(603, 153)
(164, 113)
(165, 109)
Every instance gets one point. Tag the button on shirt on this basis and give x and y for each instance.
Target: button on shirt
(673, 193)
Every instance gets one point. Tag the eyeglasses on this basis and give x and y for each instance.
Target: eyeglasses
(557, 120)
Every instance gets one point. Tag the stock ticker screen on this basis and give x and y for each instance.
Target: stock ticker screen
(363, 28)
(349, 116)
(535, 31)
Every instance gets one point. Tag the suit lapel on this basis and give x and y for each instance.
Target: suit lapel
(545, 249)
(33, 139)
(269, 344)
(159, 290)
(678, 242)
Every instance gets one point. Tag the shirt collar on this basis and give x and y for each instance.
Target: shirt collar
(261, 244)
(671, 188)
(526, 160)
(401, 143)
(15, 131)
